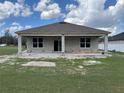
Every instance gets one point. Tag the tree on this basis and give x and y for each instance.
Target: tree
(8, 39)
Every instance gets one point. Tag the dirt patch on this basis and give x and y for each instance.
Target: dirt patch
(91, 62)
(3, 59)
(80, 67)
(71, 71)
(6, 58)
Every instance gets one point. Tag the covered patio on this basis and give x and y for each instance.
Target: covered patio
(60, 45)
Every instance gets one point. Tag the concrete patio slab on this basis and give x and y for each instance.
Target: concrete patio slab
(62, 55)
(39, 64)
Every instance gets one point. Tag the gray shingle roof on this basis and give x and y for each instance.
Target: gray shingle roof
(62, 28)
(117, 37)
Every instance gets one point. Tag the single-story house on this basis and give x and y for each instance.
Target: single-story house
(115, 43)
(62, 37)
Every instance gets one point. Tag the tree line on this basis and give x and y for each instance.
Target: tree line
(10, 39)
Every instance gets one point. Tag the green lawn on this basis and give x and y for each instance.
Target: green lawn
(8, 50)
(107, 77)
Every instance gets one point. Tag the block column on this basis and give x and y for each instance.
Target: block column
(106, 43)
(19, 44)
(63, 43)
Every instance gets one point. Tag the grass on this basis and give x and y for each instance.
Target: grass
(107, 77)
(8, 50)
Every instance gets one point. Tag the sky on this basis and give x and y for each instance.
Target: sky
(16, 15)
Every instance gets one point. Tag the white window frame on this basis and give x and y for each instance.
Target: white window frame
(38, 42)
(85, 42)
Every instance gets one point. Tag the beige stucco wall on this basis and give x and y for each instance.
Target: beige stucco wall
(72, 44)
(48, 44)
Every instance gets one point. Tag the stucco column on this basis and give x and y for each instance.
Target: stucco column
(19, 44)
(106, 43)
(28, 43)
(63, 43)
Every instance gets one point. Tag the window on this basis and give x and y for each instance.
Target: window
(82, 42)
(37, 42)
(40, 42)
(85, 42)
(34, 42)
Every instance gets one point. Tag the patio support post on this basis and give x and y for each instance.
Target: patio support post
(63, 43)
(19, 44)
(106, 43)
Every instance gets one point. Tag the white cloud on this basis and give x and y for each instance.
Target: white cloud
(26, 12)
(1, 24)
(70, 7)
(8, 8)
(22, 9)
(112, 29)
(16, 27)
(92, 13)
(42, 5)
(48, 9)
(52, 11)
